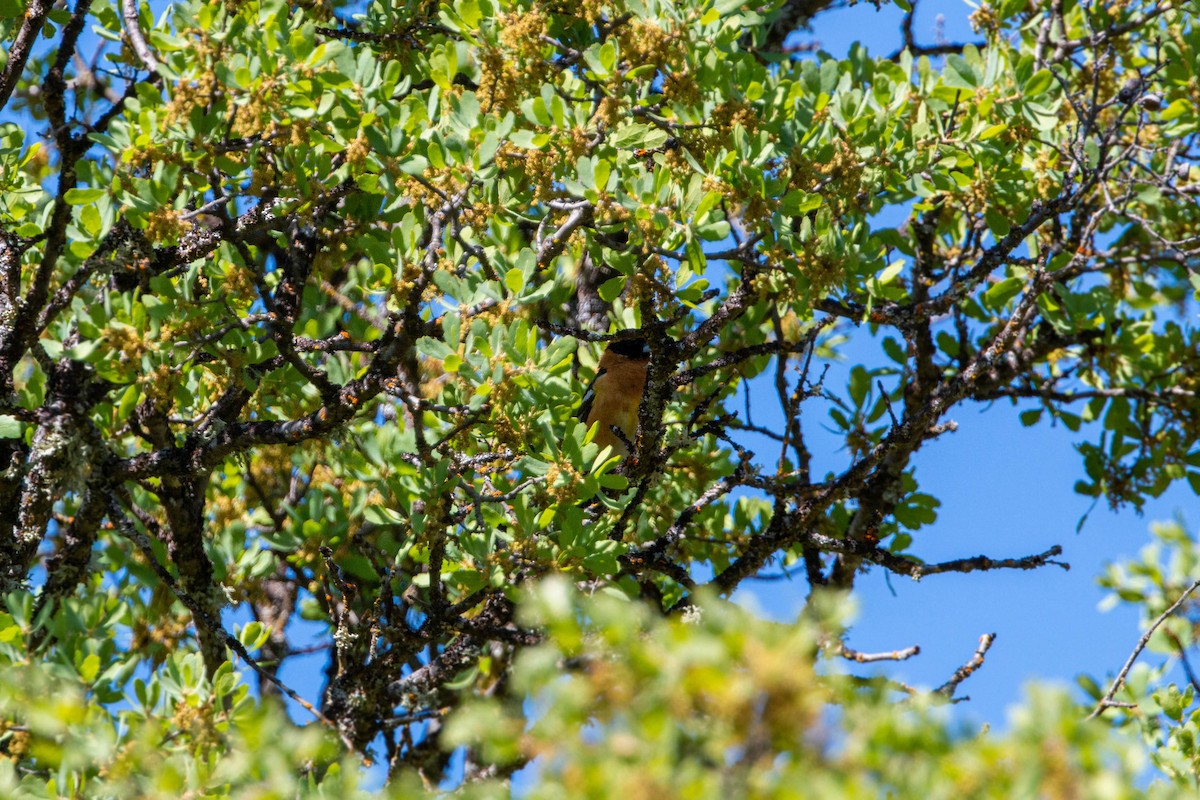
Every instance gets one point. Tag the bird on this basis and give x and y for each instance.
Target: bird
(615, 394)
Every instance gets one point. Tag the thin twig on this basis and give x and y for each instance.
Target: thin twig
(865, 658)
(1117, 683)
(133, 29)
(18, 52)
(966, 670)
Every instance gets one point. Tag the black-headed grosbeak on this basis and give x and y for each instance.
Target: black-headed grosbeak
(615, 395)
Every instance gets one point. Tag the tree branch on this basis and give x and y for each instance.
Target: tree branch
(1119, 681)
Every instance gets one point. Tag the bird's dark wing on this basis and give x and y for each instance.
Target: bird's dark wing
(589, 397)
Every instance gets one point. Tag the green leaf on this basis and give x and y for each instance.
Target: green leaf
(528, 139)
(1001, 293)
(959, 73)
(81, 197)
(383, 515)
(894, 351)
(1038, 83)
(997, 222)
(611, 289)
(993, 130)
(89, 668)
(890, 272)
(10, 427)
(601, 58)
(860, 385)
(638, 135)
(514, 279)
(10, 631)
(1031, 417)
(253, 635)
(81, 351)
(468, 11)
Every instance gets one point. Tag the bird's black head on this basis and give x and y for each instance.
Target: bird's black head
(631, 348)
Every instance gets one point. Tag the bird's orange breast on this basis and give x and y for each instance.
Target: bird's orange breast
(618, 395)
